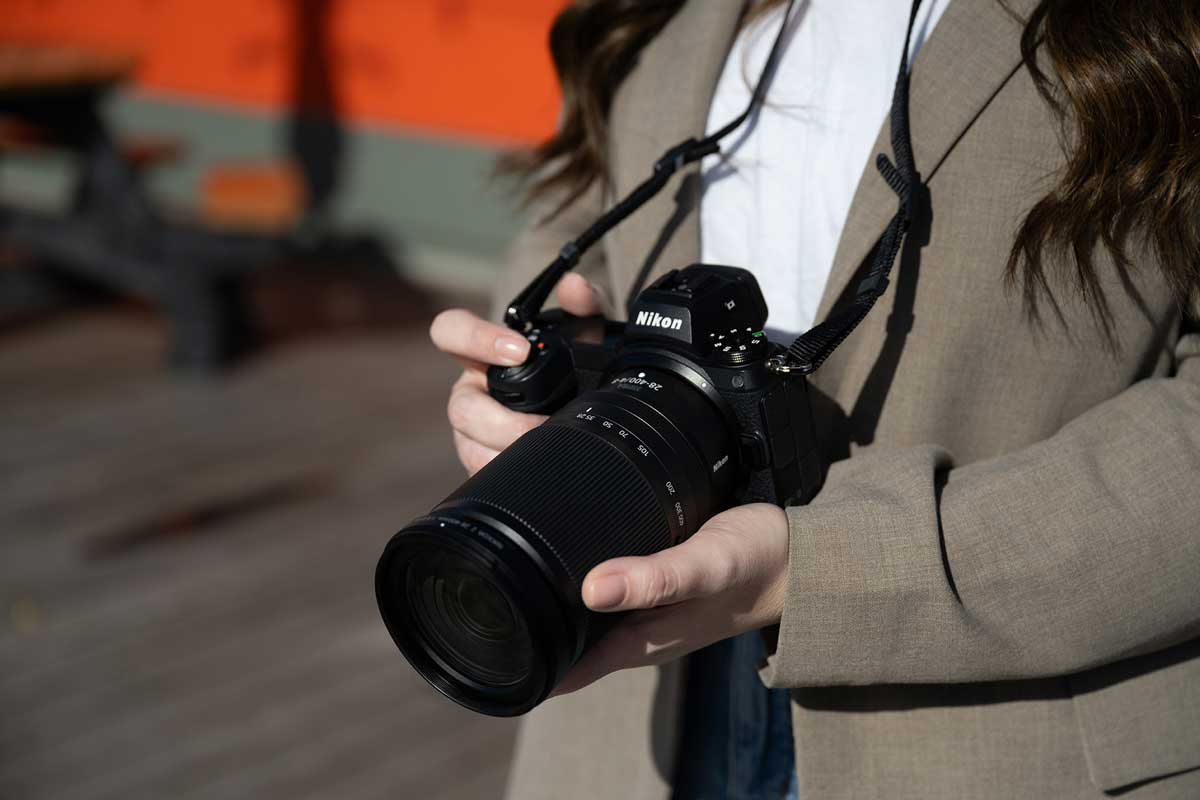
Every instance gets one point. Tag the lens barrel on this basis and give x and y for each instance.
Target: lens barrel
(483, 594)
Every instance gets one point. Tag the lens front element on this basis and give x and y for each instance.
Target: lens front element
(466, 620)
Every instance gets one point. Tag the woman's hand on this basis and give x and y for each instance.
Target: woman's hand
(483, 427)
(728, 578)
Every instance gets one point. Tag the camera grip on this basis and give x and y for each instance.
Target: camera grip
(543, 383)
(787, 465)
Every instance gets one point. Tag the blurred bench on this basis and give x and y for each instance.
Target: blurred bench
(112, 233)
(142, 152)
(44, 68)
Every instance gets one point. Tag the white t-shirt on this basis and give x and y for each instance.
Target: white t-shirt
(777, 203)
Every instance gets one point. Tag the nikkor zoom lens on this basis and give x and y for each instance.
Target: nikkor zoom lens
(467, 619)
(483, 594)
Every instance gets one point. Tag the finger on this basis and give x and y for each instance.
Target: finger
(461, 333)
(472, 454)
(579, 297)
(477, 416)
(700, 566)
(474, 372)
(647, 638)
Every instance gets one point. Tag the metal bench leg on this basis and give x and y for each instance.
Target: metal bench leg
(210, 323)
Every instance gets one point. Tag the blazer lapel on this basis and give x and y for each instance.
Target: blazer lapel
(972, 52)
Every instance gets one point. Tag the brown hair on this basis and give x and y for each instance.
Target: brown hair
(594, 45)
(1127, 92)
(1123, 76)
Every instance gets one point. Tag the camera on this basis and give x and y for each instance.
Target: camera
(656, 425)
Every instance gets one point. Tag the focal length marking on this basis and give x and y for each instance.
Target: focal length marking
(640, 447)
(608, 424)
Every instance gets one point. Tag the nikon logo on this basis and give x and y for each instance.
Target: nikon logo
(653, 319)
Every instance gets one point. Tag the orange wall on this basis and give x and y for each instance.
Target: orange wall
(473, 68)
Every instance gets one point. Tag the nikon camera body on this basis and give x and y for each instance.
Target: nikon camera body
(656, 425)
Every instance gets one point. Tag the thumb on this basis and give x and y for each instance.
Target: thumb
(698, 566)
(734, 548)
(579, 297)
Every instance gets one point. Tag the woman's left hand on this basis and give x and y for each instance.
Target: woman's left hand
(728, 578)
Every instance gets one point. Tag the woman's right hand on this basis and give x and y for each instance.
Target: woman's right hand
(482, 426)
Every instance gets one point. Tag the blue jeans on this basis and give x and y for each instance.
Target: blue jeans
(736, 741)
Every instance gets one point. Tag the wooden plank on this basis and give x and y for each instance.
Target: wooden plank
(186, 573)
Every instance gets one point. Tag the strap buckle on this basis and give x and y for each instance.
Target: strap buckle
(779, 365)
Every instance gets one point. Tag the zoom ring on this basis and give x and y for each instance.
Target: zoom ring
(580, 497)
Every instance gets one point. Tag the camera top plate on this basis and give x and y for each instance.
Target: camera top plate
(716, 313)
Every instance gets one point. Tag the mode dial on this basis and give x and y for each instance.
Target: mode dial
(737, 346)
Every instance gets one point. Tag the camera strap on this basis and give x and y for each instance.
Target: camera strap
(526, 305)
(810, 349)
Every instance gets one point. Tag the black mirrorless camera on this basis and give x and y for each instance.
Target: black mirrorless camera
(657, 424)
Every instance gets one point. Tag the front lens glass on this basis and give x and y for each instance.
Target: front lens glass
(466, 620)
(484, 610)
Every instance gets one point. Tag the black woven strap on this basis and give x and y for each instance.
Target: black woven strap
(526, 305)
(810, 349)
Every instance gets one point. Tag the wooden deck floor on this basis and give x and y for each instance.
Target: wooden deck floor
(186, 599)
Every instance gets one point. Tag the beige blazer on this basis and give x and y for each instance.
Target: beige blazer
(997, 593)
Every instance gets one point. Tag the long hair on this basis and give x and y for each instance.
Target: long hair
(594, 45)
(1125, 85)
(1123, 77)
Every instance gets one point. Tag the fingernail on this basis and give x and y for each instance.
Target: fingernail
(511, 349)
(607, 592)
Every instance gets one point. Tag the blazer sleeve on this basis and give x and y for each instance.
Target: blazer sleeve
(538, 243)
(1077, 551)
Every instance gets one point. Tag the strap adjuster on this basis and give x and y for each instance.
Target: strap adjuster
(874, 284)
